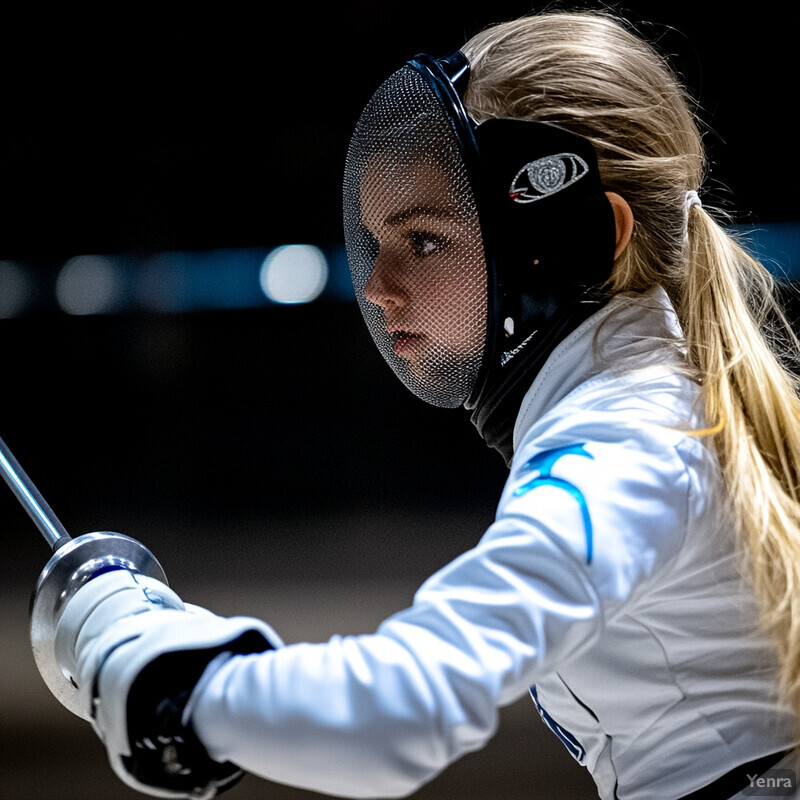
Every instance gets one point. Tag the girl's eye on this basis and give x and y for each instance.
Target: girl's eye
(425, 244)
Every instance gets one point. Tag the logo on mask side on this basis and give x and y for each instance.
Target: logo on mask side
(546, 176)
(506, 356)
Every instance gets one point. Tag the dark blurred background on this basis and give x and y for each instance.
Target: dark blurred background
(262, 450)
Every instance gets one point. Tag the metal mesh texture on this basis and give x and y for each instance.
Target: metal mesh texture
(414, 241)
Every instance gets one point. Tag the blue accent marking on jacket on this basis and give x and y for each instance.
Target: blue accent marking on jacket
(543, 463)
(575, 748)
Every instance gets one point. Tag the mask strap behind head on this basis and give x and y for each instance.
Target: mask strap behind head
(448, 78)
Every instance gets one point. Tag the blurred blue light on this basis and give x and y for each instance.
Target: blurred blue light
(16, 288)
(203, 280)
(340, 284)
(295, 273)
(236, 278)
(90, 284)
(776, 245)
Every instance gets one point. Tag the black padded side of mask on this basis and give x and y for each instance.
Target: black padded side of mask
(544, 254)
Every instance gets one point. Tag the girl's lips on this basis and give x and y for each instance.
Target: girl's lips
(405, 343)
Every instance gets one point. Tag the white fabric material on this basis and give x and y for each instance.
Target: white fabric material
(607, 580)
(115, 626)
(93, 614)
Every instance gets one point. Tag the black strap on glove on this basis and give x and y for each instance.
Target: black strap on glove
(165, 752)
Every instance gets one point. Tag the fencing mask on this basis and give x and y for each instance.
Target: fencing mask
(470, 245)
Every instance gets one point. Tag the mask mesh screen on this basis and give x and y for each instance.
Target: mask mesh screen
(414, 241)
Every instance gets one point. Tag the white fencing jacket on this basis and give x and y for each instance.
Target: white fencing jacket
(607, 588)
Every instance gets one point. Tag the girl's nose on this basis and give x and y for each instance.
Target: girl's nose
(383, 287)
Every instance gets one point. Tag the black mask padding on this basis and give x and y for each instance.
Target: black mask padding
(550, 235)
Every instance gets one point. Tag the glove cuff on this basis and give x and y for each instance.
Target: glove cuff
(165, 752)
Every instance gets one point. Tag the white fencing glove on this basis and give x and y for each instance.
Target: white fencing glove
(136, 654)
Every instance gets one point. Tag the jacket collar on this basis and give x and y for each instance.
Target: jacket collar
(630, 332)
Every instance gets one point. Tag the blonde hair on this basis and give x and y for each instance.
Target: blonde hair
(591, 73)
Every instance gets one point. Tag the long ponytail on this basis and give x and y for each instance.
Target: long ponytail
(734, 328)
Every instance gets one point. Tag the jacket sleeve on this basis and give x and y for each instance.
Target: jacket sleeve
(582, 526)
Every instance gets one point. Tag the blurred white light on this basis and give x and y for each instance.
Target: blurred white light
(294, 273)
(15, 289)
(88, 285)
